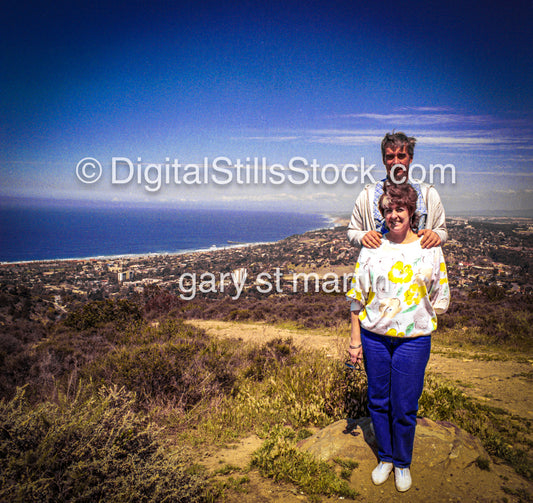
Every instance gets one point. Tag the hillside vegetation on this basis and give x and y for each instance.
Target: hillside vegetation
(116, 396)
(117, 401)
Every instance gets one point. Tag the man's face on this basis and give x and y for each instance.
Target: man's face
(397, 162)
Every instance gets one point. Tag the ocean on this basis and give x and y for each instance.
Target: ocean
(49, 233)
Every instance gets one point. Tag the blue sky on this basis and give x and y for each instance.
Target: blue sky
(197, 81)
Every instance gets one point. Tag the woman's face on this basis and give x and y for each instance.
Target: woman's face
(397, 219)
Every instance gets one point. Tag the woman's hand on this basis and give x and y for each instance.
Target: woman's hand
(356, 355)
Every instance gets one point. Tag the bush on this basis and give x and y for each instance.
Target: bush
(171, 373)
(93, 448)
(507, 322)
(309, 310)
(279, 458)
(171, 365)
(98, 313)
(16, 355)
(272, 355)
(502, 434)
(311, 390)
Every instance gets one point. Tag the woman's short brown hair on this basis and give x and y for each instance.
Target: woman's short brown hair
(403, 195)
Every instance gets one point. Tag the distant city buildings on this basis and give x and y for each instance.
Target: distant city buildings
(125, 276)
(478, 254)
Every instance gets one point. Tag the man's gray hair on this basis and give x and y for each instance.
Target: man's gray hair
(397, 140)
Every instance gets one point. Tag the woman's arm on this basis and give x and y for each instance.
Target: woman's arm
(439, 292)
(355, 349)
(358, 295)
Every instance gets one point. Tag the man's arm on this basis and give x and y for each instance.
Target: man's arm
(361, 230)
(435, 233)
(355, 228)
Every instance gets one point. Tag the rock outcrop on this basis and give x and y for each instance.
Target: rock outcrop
(448, 463)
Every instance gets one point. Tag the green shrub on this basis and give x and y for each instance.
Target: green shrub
(279, 458)
(483, 463)
(312, 391)
(92, 448)
(98, 313)
(265, 359)
(347, 467)
(502, 434)
(239, 314)
(181, 373)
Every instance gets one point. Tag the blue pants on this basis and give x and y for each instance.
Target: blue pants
(395, 367)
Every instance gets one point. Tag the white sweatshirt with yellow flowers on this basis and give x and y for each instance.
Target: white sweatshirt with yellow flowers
(400, 288)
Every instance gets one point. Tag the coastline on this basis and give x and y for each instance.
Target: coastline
(319, 252)
(136, 255)
(331, 222)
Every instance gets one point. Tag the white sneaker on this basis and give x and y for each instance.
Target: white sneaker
(381, 472)
(402, 477)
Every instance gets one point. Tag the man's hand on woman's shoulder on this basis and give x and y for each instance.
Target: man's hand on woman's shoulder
(372, 239)
(430, 239)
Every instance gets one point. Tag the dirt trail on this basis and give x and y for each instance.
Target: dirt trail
(504, 384)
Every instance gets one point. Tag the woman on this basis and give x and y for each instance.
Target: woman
(397, 290)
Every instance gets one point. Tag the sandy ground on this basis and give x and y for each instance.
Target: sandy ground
(503, 384)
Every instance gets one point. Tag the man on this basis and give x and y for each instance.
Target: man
(367, 225)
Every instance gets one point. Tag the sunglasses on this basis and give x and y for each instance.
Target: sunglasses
(353, 366)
